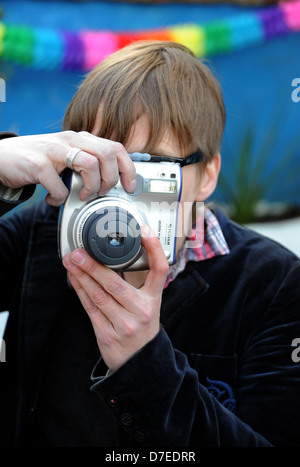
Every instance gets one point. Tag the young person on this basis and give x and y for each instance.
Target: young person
(192, 355)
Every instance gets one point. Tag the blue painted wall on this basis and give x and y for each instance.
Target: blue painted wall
(256, 83)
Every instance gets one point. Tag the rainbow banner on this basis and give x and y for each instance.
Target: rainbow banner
(47, 48)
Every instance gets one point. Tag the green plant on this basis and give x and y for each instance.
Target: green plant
(251, 177)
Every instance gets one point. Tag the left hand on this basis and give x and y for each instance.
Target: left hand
(124, 318)
(32, 159)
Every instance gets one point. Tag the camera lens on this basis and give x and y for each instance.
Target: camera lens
(112, 236)
(115, 240)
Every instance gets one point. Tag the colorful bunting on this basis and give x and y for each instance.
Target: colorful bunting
(46, 48)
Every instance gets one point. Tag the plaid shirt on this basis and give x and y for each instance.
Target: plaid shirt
(206, 241)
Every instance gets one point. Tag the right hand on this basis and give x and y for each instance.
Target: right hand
(124, 318)
(26, 160)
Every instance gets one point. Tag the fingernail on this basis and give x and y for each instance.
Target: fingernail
(67, 260)
(132, 186)
(146, 231)
(78, 257)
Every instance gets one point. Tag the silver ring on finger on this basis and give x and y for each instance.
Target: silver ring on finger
(71, 156)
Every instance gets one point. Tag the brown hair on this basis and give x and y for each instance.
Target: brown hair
(163, 79)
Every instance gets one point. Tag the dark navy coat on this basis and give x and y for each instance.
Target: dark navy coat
(219, 373)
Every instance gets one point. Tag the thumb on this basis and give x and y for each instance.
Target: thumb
(158, 264)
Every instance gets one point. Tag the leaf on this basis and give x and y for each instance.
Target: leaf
(250, 183)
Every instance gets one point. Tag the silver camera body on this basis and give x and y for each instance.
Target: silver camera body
(109, 227)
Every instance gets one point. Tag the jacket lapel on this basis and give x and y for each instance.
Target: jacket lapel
(180, 296)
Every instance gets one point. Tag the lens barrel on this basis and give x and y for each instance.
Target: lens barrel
(112, 236)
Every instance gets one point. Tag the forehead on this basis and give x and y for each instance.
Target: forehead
(139, 135)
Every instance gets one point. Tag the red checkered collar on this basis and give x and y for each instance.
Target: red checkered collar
(205, 241)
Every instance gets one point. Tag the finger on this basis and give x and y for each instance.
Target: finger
(110, 336)
(106, 152)
(114, 163)
(89, 169)
(98, 319)
(109, 172)
(85, 284)
(94, 298)
(112, 284)
(158, 264)
(51, 181)
(82, 289)
(126, 169)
